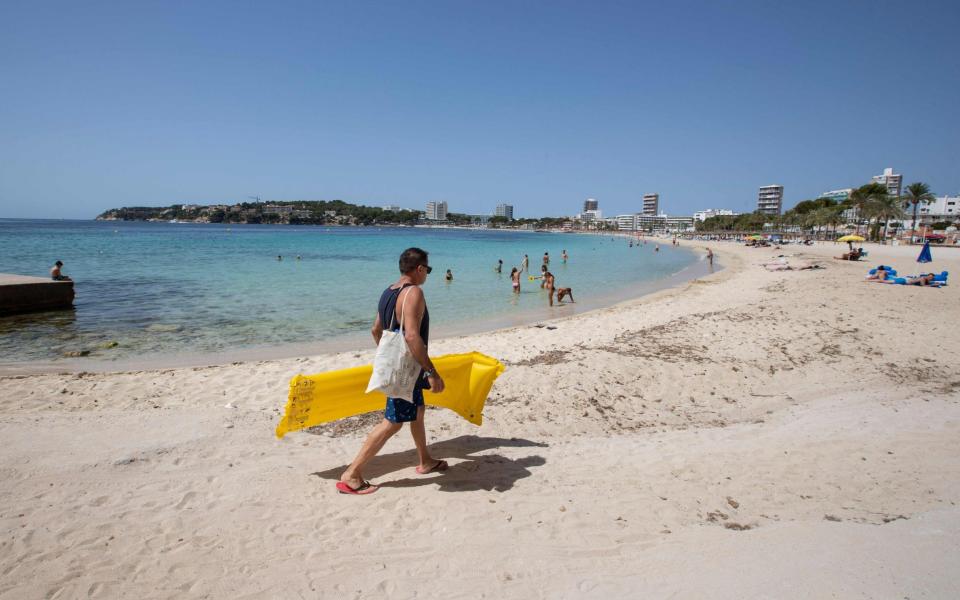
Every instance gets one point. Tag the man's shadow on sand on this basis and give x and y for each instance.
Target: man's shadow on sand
(472, 473)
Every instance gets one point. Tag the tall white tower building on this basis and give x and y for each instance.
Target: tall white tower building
(770, 200)
(651, 204)
(504, 210)
(893, 181)
(436, 211)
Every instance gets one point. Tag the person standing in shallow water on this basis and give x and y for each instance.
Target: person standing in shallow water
(401, 301)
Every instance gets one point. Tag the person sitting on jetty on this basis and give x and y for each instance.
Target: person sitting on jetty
(55, 273)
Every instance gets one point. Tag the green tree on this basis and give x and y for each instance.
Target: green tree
(916, 194)
(886, 208)
(866, 198)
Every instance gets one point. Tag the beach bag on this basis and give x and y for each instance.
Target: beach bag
(395, 370)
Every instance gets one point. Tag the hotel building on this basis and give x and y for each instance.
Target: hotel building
(651, 204)
(891, 180)
(504, 210)
(436, 211)
(770, 200)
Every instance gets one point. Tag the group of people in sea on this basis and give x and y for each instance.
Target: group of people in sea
(547, 279)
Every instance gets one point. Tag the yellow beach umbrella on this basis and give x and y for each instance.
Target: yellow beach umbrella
(850, 238)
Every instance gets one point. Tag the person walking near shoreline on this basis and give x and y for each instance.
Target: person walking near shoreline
(710, 256)
(403, 301)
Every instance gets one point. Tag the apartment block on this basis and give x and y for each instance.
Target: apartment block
(770, 200)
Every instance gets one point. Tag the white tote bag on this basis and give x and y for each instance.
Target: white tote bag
(395, 370)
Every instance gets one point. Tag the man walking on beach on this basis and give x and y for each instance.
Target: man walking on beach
(404, 301)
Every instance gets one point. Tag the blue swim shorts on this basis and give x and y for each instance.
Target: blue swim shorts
(403, 411)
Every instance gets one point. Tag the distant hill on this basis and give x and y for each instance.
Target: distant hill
(319, 212)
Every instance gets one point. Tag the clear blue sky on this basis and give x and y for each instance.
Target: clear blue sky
(537, 104)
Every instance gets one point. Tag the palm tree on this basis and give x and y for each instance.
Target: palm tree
(865, 198)
(887, 208)
(916, 194)
(824, 217)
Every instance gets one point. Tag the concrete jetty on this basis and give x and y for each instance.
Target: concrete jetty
(21, 293)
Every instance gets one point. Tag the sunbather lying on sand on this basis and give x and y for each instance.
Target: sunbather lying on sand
(852, 255)
(783, 265)
(880, 275)
(925, 279)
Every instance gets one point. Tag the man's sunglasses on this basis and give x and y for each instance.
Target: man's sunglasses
(428, 268)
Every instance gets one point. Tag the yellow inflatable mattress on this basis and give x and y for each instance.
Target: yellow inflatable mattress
(316, 399)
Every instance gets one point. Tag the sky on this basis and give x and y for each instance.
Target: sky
(536, 104)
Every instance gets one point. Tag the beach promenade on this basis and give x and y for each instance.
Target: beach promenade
(751, 434)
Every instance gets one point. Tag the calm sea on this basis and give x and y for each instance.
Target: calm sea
(152, 290)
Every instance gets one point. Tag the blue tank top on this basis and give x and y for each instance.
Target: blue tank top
(388, 311)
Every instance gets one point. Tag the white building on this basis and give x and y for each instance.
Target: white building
(944, 208)
(703, 215)
(436, 211)
(280, 210)
(627, 222)
(838, 195)
(642, 222)
(590, 204)
(591, 215)
(651, 204)
(504, 210)
(770, 200)
(392, 208)
(892, 180)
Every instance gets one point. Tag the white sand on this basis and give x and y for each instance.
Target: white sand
(751, 435)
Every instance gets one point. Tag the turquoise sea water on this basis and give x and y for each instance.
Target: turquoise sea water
(161, 289)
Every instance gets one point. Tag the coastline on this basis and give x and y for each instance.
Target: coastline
(748, 433)
(361, 340)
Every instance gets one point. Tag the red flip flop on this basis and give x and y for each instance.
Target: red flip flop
(439, 467)
(361, 490)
